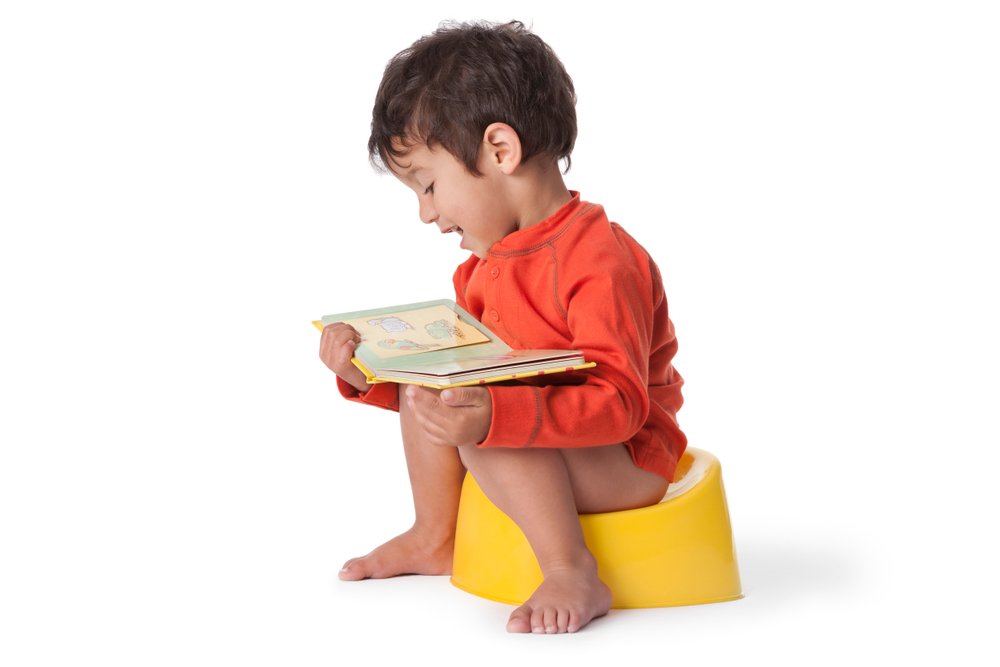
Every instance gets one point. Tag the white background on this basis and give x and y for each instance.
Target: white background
(184, 186)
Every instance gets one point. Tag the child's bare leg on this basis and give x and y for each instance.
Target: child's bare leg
(542, 491)
(436, 475)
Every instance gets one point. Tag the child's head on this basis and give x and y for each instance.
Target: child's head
(449, 86)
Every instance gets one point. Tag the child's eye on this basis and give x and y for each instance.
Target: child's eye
(429, 190)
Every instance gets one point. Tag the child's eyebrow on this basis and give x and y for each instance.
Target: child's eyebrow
(409, 173)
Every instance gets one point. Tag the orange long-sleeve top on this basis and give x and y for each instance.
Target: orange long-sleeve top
(576, 281)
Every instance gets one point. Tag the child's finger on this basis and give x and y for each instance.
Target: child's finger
(340, 337)
(346, 352)
(464, 396)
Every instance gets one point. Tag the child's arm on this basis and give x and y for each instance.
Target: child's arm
(619, 319)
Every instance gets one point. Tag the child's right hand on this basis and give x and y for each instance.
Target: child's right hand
(336, 347)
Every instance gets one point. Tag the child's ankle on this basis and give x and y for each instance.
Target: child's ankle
(581, 561)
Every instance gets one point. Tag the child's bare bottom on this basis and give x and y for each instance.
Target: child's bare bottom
(542, 491)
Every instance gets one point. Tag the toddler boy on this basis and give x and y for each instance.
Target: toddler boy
(475, 119)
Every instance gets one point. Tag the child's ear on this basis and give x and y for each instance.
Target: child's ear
(502, 147)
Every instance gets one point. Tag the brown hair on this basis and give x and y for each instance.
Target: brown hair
(449, 86)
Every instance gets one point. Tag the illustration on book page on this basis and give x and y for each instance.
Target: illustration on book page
(432, 328)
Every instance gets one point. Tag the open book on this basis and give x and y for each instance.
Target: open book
(438, 344)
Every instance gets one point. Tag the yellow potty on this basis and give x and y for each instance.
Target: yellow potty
(678, 552)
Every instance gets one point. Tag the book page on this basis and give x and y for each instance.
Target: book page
(395, 334)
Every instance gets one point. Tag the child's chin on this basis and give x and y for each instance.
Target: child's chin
(481, 254)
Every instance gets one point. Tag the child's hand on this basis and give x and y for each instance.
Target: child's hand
(336, 347)
(453, 417)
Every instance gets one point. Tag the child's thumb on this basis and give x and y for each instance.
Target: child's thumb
(459, 397)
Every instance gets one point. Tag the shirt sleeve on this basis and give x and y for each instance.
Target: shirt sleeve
(610, 315)
(383, 395)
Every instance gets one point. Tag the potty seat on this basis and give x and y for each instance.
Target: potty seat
(677, 552)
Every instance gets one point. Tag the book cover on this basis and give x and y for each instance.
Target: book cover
(439, 344)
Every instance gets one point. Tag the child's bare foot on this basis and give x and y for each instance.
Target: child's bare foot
(566, 600)
(413, 552)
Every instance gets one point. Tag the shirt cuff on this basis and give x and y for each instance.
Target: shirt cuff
(383, 395)
(517, 416)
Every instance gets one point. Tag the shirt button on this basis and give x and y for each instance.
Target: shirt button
(495, 315)
(495, 271)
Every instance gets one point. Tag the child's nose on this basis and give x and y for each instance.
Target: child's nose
(428, 214)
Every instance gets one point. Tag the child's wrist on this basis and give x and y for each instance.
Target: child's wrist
(359, 384)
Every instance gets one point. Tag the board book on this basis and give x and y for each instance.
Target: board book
(438, 344)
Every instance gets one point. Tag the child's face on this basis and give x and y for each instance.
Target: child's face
(476, 207)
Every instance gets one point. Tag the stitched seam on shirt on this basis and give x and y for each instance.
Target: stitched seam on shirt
(555, 284)
(549, 241)
(538, 417)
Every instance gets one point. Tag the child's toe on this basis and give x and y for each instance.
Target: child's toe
(562, 621)
(550, 620)
(520, 620)
(352, 571)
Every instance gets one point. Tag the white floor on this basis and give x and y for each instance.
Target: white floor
(184, 188)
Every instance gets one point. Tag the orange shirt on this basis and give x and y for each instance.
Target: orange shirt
(577, 281)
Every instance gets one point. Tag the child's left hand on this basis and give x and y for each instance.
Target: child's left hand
(453, 417)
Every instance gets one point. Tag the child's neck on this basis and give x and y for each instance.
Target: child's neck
(541, 190)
